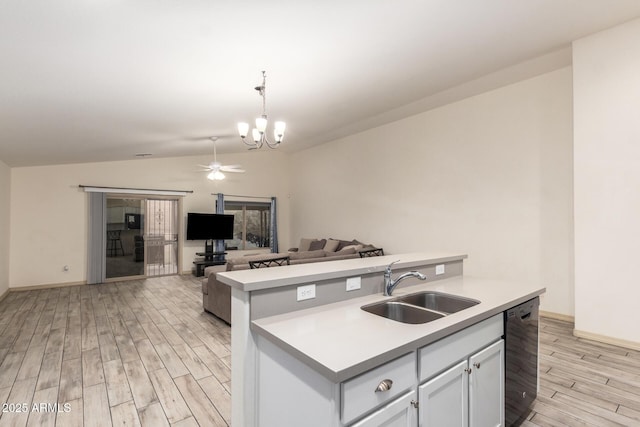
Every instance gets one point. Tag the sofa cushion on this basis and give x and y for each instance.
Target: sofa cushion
(307, 254)
(317, 244)
(344, 243)
(353, 247)
(345, 251)
(331, 245)
(305, 244)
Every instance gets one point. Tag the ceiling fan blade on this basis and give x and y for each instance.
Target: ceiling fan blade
(235, 168)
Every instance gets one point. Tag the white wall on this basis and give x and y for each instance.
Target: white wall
(607, 182)
(5, 191)
(49, 211)
(490, 176)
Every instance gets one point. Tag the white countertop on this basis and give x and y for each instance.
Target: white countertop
(341, 340)
(265, 278)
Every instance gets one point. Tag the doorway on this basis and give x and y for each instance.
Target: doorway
(141, 237)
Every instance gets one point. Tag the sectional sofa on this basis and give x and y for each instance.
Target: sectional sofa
(216, 296)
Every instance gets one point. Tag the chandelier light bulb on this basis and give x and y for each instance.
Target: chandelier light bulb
(243, 129)
(261, 124)
(257, 135)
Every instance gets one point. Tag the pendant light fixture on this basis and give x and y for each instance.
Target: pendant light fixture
(258, 134)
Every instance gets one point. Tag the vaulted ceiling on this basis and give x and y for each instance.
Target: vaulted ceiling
(100, 80)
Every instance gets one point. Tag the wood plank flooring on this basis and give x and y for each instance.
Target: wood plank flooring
(143, 353)
(136, 353)
(583, 382)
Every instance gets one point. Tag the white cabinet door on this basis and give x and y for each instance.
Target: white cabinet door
(399, 413)
(486, 387)
(444, 399)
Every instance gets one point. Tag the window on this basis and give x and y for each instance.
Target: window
(251, 224)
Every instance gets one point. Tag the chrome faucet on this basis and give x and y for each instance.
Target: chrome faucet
(390, 284)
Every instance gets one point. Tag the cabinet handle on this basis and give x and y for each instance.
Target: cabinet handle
(467, 370)
(477, 365)
(415, 404)
(384, 385)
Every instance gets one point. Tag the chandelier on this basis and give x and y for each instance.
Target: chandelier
(258, 133)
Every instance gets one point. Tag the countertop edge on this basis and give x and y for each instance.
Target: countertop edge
(252, 280)
(370, 363)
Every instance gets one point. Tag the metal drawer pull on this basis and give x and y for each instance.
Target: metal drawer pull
(468, 370)
(384, 385)
(477, 365)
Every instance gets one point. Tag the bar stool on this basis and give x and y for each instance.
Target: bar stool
(114, 243)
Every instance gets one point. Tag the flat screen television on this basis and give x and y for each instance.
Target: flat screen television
(205, 226)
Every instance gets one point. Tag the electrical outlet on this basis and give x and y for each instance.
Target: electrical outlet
(353, 283)
(306, 292)
(439, 269)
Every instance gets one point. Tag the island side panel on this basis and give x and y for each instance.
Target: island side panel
(291, 394)
(243, 361)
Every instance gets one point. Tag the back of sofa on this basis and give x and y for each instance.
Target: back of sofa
(242, 263)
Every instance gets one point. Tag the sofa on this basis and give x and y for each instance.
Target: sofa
(216, 296)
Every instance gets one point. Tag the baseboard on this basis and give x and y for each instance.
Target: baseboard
(47, 286)
(4, 295)
(557, 316)
(633, 345)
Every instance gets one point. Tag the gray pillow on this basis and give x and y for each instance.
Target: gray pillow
(304, 244)
(317, 244)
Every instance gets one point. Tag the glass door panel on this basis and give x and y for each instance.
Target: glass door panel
(125, 226)
(161, 237)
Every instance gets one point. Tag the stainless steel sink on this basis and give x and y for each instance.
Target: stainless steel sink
(443, 303)
(421, 307)
(402, 312)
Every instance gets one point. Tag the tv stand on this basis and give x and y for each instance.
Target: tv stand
(211, 257)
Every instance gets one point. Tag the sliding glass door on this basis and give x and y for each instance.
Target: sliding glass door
(141, 237)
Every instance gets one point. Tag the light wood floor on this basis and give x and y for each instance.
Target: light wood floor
(584, 383)
(140, 353)
(144, 353)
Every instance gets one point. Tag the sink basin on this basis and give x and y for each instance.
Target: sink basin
(402, 312)
(443, 303)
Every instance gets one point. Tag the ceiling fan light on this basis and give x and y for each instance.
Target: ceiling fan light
(215, 176)
(243, 129)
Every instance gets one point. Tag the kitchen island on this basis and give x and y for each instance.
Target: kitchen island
(302, 347)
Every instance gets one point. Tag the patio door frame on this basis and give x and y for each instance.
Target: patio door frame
(97, 220)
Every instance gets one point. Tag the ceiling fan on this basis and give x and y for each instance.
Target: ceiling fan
(216, 169)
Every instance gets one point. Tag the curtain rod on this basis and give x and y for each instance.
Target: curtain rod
(236, 195)
(96, 188)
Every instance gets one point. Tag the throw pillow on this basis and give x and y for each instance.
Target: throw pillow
(317, 244)
(305, 244)
(331, 245)
(343, 243)
(345, 251)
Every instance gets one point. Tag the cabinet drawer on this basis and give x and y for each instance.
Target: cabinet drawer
(359, 394)
(438, 356)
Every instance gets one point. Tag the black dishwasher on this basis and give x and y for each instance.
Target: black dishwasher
(521, 360)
